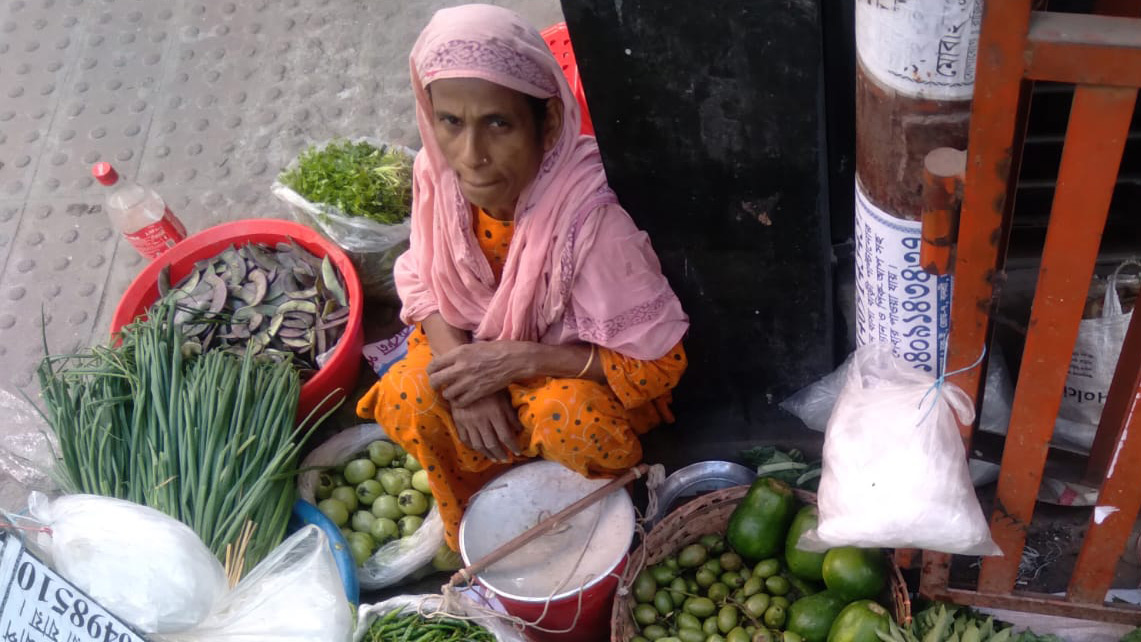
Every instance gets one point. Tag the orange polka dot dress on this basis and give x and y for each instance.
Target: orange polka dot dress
(589, 427)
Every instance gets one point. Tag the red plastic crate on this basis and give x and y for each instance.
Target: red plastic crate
(558, 40)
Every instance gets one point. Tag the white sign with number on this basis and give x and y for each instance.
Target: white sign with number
(921, 48)
(896, 301)
(38, 605)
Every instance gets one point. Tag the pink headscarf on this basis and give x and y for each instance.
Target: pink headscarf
(577, 268)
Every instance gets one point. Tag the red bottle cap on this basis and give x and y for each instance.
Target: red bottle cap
(104, 173)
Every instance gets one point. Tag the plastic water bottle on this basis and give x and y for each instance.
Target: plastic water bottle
(139, 214)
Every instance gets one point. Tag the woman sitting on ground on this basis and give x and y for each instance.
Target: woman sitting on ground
(544, 326)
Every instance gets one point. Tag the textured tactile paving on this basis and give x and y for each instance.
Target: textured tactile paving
(205, 100)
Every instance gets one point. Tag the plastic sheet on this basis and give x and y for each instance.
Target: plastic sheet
(27, 452)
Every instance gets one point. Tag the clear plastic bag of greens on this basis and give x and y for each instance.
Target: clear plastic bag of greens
(372, 246)
(433, 607)
(398, 559)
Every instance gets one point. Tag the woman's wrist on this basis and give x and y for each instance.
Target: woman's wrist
(561, 362)
(442, 336)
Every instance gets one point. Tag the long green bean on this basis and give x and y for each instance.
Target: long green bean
(209, 440)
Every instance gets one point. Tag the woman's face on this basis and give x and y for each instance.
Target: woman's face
(488, 135)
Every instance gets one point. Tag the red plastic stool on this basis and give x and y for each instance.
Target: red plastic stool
(558, 39)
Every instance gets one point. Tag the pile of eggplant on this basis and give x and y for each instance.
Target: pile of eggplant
(277, 303)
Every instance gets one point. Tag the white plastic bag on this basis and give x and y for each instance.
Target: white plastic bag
(397, 559)
(813, 405)
(295, 594)
(426, 604)
(373, 247)
(895, 473)
(1091, 369)
(27, 453)
(145, 567)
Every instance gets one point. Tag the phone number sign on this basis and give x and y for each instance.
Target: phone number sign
(897, 303)
(38, 605)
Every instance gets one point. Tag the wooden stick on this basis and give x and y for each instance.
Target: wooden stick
(466, 574)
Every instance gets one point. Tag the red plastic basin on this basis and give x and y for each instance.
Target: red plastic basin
(339, 374)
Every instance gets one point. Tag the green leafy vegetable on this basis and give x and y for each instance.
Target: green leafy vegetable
(789, 467)
(359, 179)
(210, 440)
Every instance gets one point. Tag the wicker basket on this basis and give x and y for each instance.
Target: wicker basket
(702, 516)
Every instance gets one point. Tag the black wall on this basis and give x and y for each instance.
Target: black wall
(710, 119)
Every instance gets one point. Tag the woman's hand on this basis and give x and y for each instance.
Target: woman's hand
(473, 371)
(489, 425)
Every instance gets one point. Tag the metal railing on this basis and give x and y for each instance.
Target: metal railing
(1101, 55)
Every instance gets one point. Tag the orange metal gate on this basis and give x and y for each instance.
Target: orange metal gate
(1101, 55)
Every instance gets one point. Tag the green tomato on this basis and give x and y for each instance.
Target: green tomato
(347, 495)
(399, 452)
(410, 524)
(325, 486)
(412, 464)
(381, 453)
(362, 521)
(396, 480)
(345, 532)
(358, 470)
(386, 506)
(420, 481)
(446, 559)
(412, 502)
(368, 491)
(361, 546)
(334, 510)
(383, 530)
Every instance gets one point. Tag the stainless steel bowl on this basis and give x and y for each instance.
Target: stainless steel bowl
(702, 477)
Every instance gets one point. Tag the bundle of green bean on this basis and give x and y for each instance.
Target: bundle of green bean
(208, 440)
(413, 627)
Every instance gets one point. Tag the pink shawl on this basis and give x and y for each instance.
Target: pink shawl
(577, 268)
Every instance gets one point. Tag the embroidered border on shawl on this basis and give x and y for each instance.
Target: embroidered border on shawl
(566, 260)
(491, 55)
(599, 332)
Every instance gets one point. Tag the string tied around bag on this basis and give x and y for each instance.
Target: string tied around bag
(937, 385)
